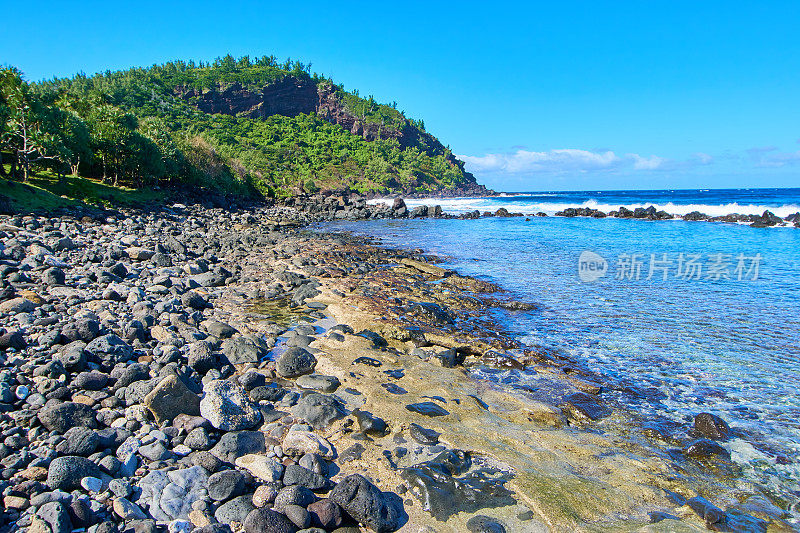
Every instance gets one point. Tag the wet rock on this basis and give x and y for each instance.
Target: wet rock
(499, 360)
(170, 398)
(295, 362)
(427, 409)
(713, 516)
(658, 516)
(391, 388)
(227, 406)
(705, 449)
(377, 340)
(436, 485)
(319, 410)
(484, 524)
(369, 361)
(581, 405)
(266, 520)
(367, 504)
(711, 427)
(426, 437)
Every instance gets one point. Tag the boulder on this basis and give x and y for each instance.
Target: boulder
(227, 406)
(170, 398)
(367, 504)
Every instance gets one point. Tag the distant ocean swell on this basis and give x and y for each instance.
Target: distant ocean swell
(516, 204)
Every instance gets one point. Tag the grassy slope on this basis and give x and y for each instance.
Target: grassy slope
(44, 193)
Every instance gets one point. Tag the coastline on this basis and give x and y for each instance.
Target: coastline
(572, 461)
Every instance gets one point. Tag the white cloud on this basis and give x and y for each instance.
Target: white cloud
(770, 157)
(703, 159)
(561, 160)
(646, 163)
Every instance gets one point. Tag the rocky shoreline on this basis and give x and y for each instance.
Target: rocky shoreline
(341, 205)
(198, 369)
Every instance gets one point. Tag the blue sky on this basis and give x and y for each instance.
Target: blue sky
(534, 96)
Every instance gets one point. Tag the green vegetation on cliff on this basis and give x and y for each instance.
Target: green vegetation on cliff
(235, 126)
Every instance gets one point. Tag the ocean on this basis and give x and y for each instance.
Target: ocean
(704, 315)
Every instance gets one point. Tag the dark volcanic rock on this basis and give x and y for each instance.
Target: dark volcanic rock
(442, 493)
(63, 416)
(705, 449)
(369, 361)
(711, 426)
(244, 349)
(325, 514)
(484, 524)
(422, 435)
(225, 485)
(319, 410)
(295, 362)
(583, 405)
(297, 475)
(367, 504)
(427, 409)
(65, 473)
(268, 521)
(238, 443)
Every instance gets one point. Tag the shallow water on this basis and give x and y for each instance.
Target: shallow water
(729, 346)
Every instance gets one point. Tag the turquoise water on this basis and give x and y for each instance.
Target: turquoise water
(729, 346)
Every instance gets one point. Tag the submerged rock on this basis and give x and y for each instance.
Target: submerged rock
(583, 405)
(711, 426)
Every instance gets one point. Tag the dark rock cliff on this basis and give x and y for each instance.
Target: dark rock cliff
(292, 96)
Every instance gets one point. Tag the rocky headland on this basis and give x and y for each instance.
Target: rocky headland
(197, 369)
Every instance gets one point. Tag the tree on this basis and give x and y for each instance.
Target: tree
(27, 132)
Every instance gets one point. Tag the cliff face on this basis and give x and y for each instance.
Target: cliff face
(292, 96)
